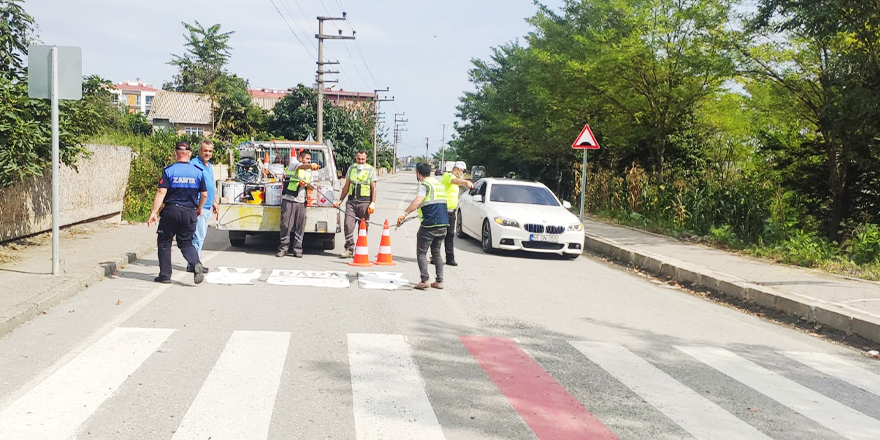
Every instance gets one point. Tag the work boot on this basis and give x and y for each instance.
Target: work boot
(438, 284)
(198, 273)
(422, 286)
(162, 280)
(346, 254)
(190, 269)
(451, 262)
(280, 254)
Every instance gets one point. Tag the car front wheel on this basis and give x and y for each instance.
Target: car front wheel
(486, 240)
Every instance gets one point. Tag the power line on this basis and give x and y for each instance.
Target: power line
(358, 48)
(306, 19)
(292, 31)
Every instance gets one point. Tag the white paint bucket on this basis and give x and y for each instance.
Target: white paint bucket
(273, 194)
(324, 196)
(233, 191)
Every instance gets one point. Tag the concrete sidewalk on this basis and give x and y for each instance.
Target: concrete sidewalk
(88, 253)
(845, 304)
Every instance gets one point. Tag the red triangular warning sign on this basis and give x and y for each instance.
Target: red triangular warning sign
(586, 140)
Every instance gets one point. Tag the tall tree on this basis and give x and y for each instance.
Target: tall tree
(17, 31)
(203, 64)
(830, 66)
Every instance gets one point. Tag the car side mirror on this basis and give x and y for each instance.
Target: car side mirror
(478, 198)
(566, 205)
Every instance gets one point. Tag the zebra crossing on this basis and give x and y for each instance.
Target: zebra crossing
(390, 399)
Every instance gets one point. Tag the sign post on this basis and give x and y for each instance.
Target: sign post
(585, 141)
(55, 72)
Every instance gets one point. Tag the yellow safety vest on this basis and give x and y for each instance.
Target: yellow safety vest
(451, 193)
(361, 179)
(304, 176)
(432, 211)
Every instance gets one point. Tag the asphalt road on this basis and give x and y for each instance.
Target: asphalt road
(516, 346)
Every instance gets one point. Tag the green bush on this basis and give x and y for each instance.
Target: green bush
(864, 246)
(807, 249)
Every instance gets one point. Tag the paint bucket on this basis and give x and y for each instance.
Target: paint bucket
(273, 193)
(233, 191)
(276, 169)
(324, 195)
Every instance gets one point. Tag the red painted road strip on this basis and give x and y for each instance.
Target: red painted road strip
(549, 410)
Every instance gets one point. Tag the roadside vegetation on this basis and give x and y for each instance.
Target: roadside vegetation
(754, 127)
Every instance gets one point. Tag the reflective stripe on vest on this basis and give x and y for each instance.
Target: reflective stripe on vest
(362, 179)
(432, 211)
(304, 176)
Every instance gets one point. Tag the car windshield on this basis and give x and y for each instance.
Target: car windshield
(531, 195)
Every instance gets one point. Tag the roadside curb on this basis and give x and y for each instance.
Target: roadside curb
(52, 296)
(842, 318)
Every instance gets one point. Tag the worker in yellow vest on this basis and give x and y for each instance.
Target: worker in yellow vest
(360, 187)
(451, 182)
(431, 203)
(294, 198)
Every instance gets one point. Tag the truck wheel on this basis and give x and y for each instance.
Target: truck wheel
(237, 238)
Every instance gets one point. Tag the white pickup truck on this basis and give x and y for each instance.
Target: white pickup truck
(242, 215)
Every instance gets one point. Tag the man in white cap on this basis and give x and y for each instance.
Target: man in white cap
(451, 182)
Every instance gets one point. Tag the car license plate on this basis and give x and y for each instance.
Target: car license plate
(544, 238)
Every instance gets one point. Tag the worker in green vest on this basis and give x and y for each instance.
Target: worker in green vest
(431, 203)
(294, 198)
(451, 182)
(360, 187)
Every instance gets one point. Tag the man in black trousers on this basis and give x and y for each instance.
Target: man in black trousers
(183, 192)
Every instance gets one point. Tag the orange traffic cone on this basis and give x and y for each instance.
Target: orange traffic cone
(361, 252)
(384, 257)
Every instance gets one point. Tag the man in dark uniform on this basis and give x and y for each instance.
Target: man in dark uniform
(183, 191)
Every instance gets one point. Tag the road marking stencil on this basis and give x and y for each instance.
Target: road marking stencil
(313, 278)
(233, 275)
(381, 280)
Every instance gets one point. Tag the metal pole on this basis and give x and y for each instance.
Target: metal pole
(56, 242)
(320, 81)
(583, 184)
(443, 149)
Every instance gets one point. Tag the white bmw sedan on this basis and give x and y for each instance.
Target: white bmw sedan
(518, 215)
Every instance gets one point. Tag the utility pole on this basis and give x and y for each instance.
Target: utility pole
(397, 131)
(426, 151)
(443, 148)
(376, 127)
(321, 37)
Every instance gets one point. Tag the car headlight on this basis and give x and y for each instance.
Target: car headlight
(576, 227)
(506, 222)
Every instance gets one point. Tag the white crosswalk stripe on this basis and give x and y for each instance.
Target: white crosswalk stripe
(693, 412)
(389, 399)
(59, 404)
(238, 397)
(388, 392)
(839, 369)
(821, 409)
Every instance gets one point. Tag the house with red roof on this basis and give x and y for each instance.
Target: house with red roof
(134, 95)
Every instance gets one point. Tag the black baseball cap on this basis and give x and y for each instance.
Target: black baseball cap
(181, 146)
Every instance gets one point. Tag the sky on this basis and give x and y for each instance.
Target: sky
(421, 50)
